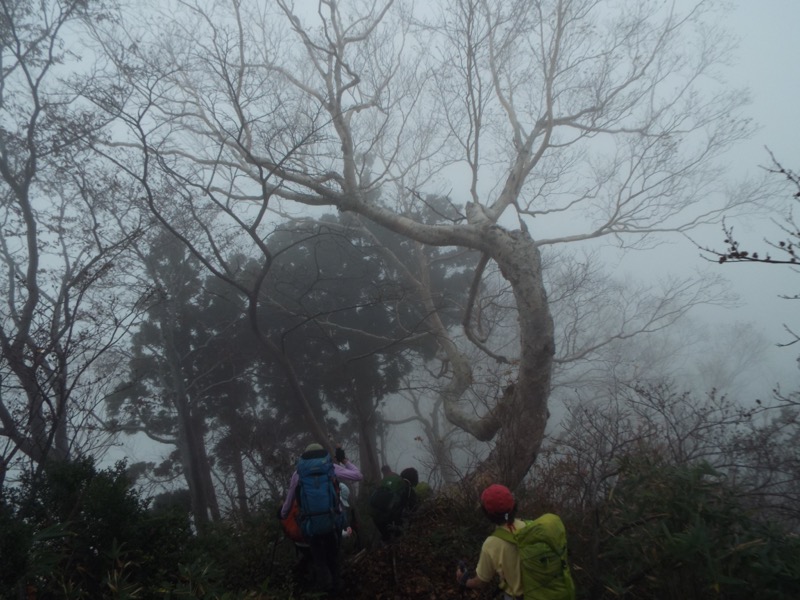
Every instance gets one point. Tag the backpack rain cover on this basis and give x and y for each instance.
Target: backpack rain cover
(542, 547)
(318, 494)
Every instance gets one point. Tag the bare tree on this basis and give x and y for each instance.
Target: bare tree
(785, 246)
(781, 249)
(753, 445)
(561, 121)
(59, 310)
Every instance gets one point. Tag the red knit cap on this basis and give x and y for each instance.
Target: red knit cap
(497, 499)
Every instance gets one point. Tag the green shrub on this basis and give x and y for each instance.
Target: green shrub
(16, 539)
(84, 533)
(681, 532)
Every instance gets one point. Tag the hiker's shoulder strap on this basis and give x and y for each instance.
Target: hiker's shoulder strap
(504, 534)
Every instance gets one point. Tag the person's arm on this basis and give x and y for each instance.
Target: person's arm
(287, 503)
(347, 471)
(470, 583)
(484, 571)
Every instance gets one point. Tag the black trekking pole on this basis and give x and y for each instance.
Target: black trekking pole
(275, 543)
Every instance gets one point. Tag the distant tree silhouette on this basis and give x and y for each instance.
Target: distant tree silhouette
(337, 310)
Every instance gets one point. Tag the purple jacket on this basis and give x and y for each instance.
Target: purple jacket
(344, 472)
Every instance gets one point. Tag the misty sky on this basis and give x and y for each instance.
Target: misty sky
(768, 63)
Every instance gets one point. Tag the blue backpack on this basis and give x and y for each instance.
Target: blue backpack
(318, 494)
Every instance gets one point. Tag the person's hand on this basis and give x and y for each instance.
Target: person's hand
(340, 457)
(462, 575)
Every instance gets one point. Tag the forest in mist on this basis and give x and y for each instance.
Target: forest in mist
(229, 229)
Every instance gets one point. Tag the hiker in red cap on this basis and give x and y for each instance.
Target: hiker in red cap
(543, 574)
(498, 557)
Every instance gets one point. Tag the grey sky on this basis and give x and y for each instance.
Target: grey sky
(768, 63)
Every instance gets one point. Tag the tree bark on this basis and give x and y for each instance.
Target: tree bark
(367, 438)
(189, 440)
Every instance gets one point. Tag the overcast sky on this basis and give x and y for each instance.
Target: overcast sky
(769, 57)
(768, 63)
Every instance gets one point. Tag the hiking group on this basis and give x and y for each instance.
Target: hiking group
(529, 557)
(316, 513)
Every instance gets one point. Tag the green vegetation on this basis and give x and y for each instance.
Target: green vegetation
(665, 531)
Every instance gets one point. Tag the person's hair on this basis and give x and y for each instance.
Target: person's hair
(411, 475)
(386, 469)
(501, 518)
